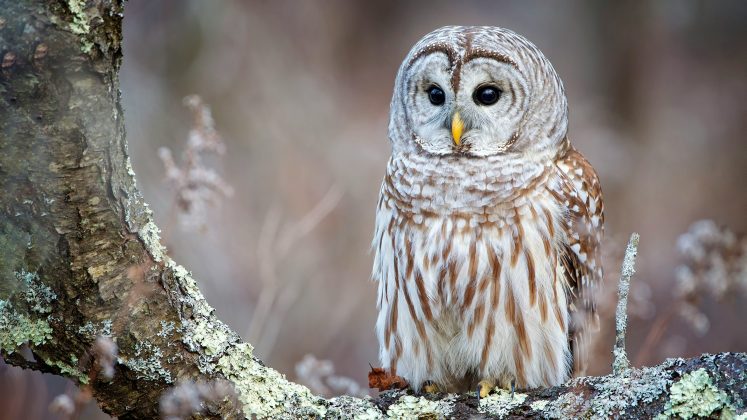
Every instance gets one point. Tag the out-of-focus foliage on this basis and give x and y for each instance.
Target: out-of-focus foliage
(300, 93)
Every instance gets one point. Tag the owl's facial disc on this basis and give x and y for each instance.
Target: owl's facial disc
(473, 109)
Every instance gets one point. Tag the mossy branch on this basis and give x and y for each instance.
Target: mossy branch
(82, 259)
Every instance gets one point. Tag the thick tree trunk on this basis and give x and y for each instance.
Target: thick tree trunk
(81, 256)
(81, 259)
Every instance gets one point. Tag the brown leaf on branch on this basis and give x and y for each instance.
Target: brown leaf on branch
(383, 380)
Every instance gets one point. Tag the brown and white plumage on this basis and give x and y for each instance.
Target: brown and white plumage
(488, 223)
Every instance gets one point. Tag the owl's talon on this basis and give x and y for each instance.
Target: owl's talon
(430, 387)
(513, 387)
(483, 388)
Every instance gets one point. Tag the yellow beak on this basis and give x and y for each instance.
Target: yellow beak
(457, 126)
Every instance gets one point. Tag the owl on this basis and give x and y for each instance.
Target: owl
(488, 223)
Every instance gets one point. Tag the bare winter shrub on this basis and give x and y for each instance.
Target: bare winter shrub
(105, 353)
(71, 404)
(715, 264)
(188, 398)
(319, 376)
(62, 405)
(276, 242)
(197, 186)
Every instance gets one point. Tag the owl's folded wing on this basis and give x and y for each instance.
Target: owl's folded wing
(580, 254)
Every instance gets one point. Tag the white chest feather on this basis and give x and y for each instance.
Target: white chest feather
(470, 286)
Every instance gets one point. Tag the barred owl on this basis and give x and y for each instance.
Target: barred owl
(488, 222)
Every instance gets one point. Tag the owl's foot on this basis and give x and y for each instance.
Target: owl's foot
(513, 387)
(430, 387)
(483, 388)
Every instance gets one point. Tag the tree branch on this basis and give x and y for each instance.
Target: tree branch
(82, 259)
(621, 363)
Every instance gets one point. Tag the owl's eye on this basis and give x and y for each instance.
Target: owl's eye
(436, 95)
(486, 95)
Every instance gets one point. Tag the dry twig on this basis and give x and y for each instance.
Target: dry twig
(277, 296)
(621, 364)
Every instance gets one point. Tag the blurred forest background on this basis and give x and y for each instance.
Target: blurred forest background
(300, 95)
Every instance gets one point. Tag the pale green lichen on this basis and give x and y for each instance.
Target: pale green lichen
(411, 407)
(200, 334)
(694, 395)
(346, 407)
(88, 329)
(539, 405)
(618, 393)
(69, 370)
(91, 331)
(17, 329)
(501, 402)
(212, 340)
(620, 362)
(81, 23)
(167, 328)
(183, 273)
(147, 362)
(564, 406)
(106, 328)
(130, 171)
(264, 392)
(38, 295)
(149, 234)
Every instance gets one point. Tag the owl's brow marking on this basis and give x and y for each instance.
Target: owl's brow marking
(483, 53)
(437, 47)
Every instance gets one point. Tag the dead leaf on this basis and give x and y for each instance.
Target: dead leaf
(383, 380)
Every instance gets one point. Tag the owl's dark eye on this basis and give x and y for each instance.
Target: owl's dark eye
(436, 95)
(486, 95)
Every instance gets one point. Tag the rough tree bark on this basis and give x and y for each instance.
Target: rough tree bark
(81, 258)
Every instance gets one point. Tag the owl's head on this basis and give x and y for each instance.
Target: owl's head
(477, 91)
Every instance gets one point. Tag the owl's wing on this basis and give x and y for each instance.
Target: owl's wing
(580, 253)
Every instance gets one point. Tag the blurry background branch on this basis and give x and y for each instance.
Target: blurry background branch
(277, 295)
(89, 293)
